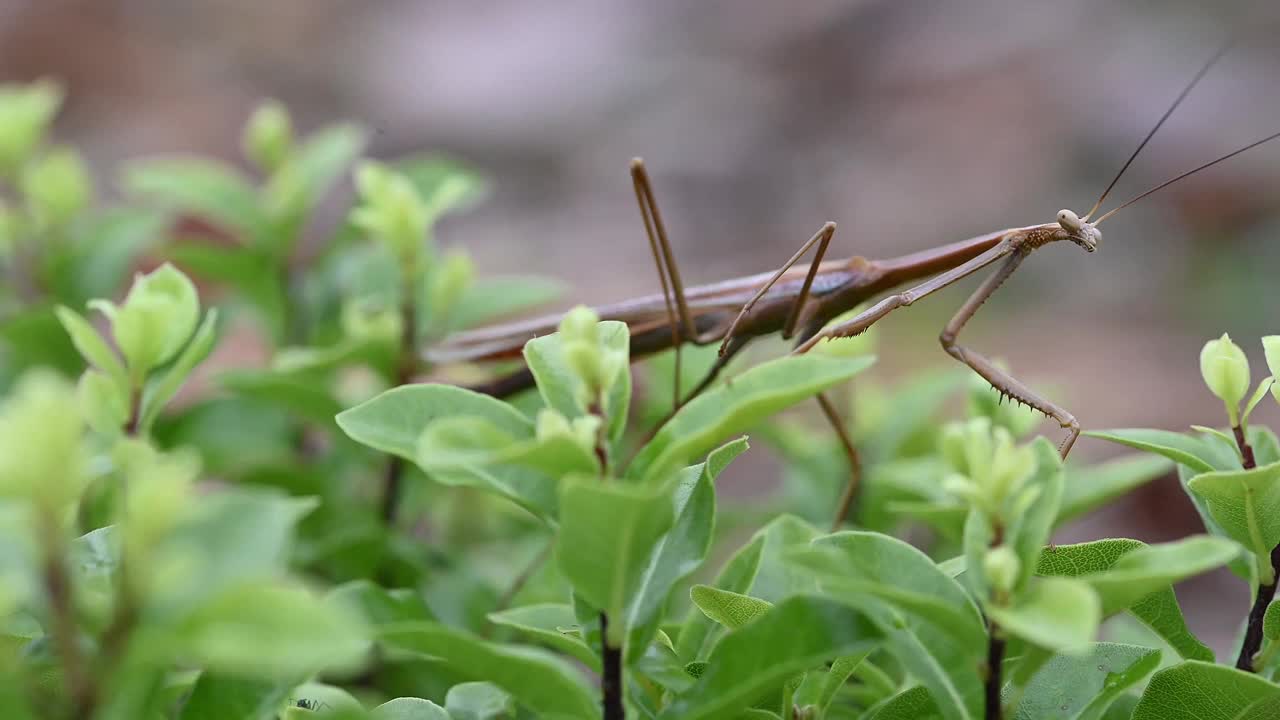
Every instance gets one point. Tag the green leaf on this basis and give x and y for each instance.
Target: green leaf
(1199, 454)
(1086, 489)
(850, 565)
(794, 636)
(542, 682)
(160, 392)
(106, 247)
(911, 704)
(243, 270)
(1053, 613)
(1267, 708)
(231, 538)
(738, 405)
(549, 623)
(1271, 621)
(479, 701)
(1082, 685)
(204, 188)
(910, 616)
(443, 183)
(730, 609)
(1142, 571)
(977, 539)
(410, 708)
(1194, 690)
(778, 577)
(305, 394)
(682, 550)
(326, 155)
(1145, 585)
(607, 532)
(34, 337)
(218, 697)
(1244, 503)
(270, 630)
(104, 403)
(378, 605)
(92, 346)
(698, 631)
(394, 421)
(819, 687)
(471, 443)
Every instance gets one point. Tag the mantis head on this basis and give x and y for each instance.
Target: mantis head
(1081, 232)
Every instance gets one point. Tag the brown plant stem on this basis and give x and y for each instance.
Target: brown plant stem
(57, 582)
(995, 657)
(611, 677)
(1266, 591)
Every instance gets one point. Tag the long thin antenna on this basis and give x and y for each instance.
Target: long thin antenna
(1188, 173)
(1181, 96)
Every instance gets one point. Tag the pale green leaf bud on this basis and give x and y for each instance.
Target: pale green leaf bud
(1225, 370)
(268, 136)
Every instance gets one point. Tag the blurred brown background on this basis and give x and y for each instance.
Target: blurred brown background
(909, 122)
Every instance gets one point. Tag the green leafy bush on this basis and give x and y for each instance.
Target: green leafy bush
(326, 534)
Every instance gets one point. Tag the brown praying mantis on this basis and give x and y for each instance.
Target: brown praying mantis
(734, 312)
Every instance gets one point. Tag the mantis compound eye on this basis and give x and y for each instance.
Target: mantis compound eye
(1069, 221)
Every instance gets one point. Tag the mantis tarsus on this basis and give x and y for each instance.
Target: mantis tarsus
(801, 305)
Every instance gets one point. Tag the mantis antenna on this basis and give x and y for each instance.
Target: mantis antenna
(1188, 173)
(1167, 113)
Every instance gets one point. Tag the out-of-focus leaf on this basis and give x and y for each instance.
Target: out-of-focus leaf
(537, 680)
(217, 697)
(305, 394)
(479, 701)
(410, 708)
(201, 187)
(162, 390)
(273, 631)
(492, 298)
(1089, 488)
(325, 155)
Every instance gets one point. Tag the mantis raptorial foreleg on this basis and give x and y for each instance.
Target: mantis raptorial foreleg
(865, 319)
(1003, 382)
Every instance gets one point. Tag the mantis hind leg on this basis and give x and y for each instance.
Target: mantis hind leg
(1003, 382)
(851, 454)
